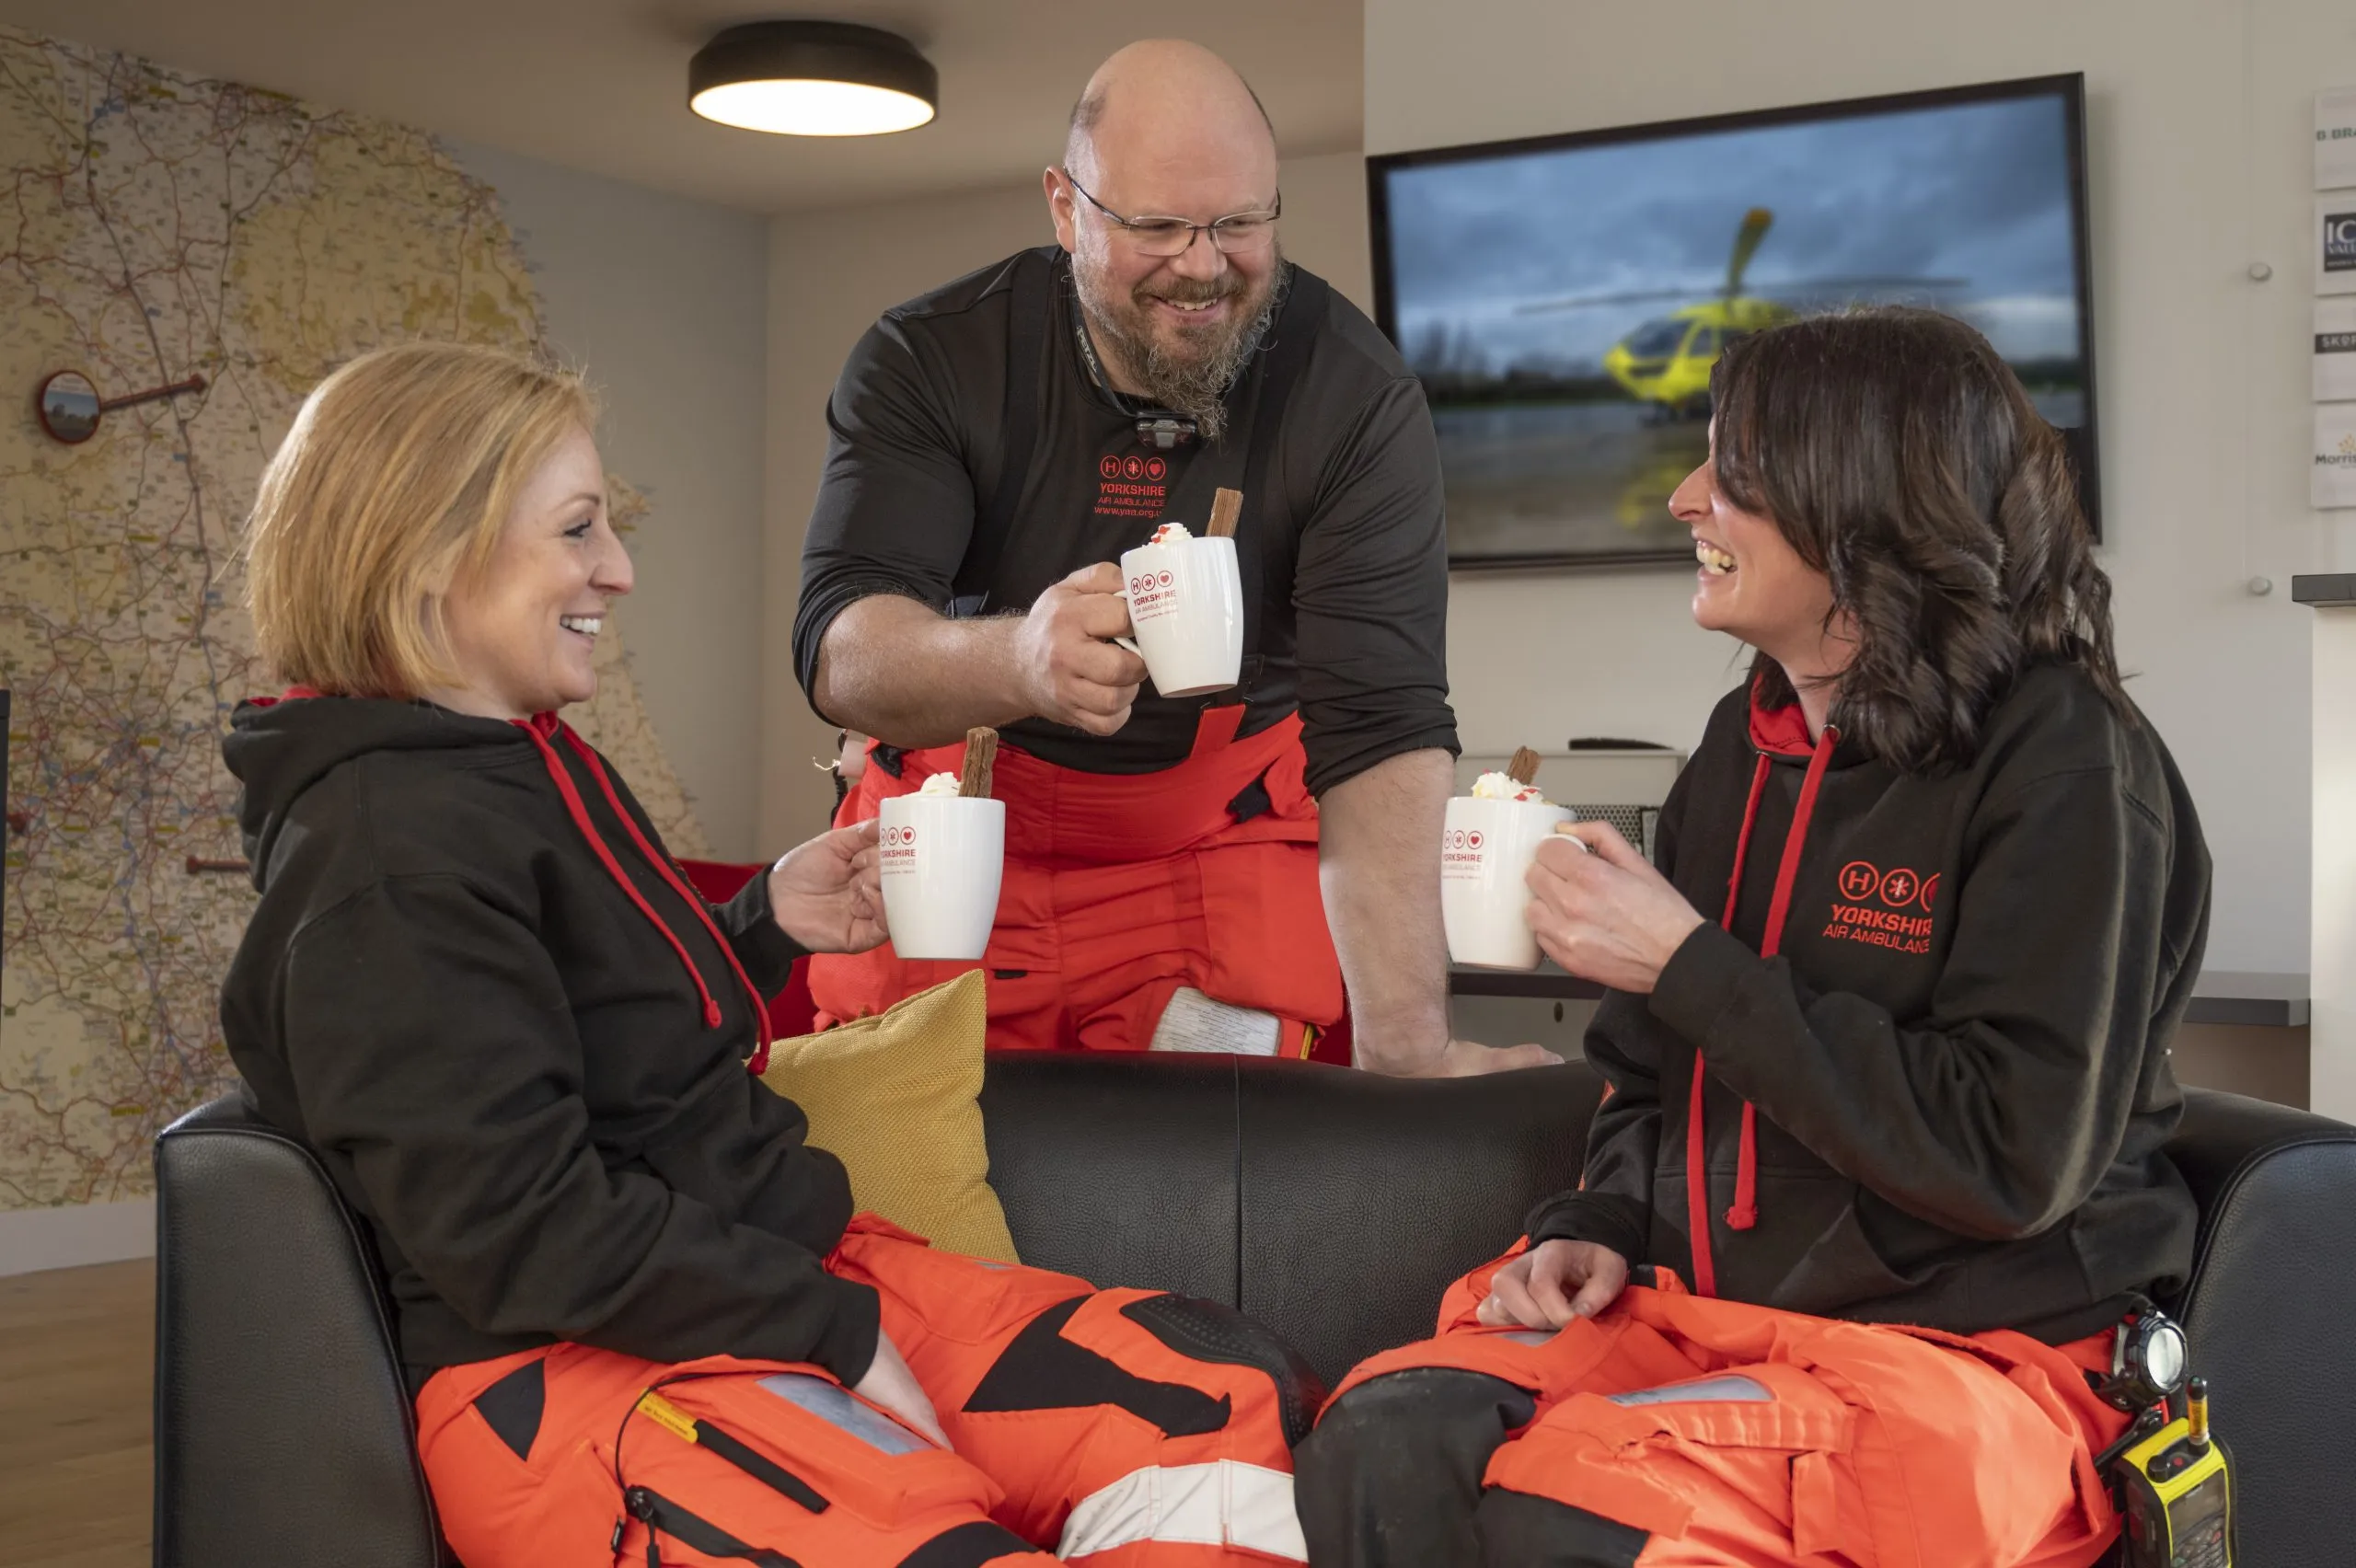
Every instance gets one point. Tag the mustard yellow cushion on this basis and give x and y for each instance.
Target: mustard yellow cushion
(894, 1098)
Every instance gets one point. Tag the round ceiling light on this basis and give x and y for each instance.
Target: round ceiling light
(813, 79)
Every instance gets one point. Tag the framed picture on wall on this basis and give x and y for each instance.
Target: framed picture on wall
(1564, 298)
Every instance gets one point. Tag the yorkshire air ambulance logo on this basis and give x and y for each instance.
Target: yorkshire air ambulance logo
(1132, 485)
(1460, 854)
(1888, 908)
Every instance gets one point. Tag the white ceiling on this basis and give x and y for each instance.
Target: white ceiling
(601, 85)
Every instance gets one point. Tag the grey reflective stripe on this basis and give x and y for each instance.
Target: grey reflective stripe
(1735, 1389)
(831, 1406)
(1529, 1336)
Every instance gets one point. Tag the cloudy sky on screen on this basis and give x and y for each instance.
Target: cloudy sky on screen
(1974, 192)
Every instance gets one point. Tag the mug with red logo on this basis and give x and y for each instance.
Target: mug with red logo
(1486, 848)
(1185, 605)
(940, 860)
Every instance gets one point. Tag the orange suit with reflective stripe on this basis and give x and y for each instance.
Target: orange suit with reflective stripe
(1082, 1424)
(1717, 1433)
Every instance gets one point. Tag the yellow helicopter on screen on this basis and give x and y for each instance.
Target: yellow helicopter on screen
(1665, 362)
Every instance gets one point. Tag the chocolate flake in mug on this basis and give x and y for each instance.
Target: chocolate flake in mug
(981, 753)
(1226, 506)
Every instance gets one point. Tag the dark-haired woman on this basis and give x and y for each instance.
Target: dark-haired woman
(1878, 1173)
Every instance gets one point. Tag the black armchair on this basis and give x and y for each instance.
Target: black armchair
(1331, 1204)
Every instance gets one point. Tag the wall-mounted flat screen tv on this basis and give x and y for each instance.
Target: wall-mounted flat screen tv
(1564, 298)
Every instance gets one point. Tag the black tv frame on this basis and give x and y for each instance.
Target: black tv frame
(2084, 445)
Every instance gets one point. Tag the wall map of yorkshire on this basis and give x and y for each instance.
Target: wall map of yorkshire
(157, 227)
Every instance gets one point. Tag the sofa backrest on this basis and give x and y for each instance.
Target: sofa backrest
(2273, 1280)
(282, 1432)
(1333, 1206)
(1116, 1181)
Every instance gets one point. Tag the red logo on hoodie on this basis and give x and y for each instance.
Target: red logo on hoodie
(1877, 908)
(1131, 487)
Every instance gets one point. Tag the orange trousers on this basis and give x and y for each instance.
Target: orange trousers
(1116, 1427)
(1120, 888)
(1678, 1432)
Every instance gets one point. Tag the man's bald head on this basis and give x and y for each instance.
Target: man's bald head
(1166, 131)
(1161, 97)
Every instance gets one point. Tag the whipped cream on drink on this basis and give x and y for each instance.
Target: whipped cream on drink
(1501, 787)
(1170, 534)
(938, 784)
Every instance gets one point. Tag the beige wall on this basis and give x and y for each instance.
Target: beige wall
(660, 299)
(831, 273)
(2200, 123)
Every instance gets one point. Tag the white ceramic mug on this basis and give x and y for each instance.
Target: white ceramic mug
(1485, 851)
(941, 857)
(1186, 604)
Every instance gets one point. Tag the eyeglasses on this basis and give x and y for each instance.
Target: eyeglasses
(1238, 234)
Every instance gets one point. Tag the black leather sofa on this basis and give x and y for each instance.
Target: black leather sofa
(1333, 1205)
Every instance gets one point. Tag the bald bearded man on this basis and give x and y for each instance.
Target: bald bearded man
(997, 445)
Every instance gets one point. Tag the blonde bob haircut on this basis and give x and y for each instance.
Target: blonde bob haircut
(394, 483)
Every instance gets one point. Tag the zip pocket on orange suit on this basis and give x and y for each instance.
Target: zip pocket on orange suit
(844, 1451)
(1742, 1432)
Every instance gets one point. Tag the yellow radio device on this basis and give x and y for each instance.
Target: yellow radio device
(2169, 1476)
(2177, 1492)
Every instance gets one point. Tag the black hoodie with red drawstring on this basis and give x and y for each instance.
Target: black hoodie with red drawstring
(1918, 1070)
(517, 1040)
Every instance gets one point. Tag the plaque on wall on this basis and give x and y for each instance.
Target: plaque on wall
(2335, 349)
(2335, 243)
(2334, 481)
(2335, 138)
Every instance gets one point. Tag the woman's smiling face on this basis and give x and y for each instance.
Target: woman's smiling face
(1751, 583)
(523, 631)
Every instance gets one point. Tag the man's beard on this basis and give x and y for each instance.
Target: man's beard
(1186, 369)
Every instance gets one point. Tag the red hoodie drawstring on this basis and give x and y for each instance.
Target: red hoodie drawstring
(1697, 1167)
(1744, 1215)
(671, 874)
(540, 728)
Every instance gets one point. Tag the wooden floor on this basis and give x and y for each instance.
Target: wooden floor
(76, 1352)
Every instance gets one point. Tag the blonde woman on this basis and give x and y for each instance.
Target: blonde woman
(640, 1318)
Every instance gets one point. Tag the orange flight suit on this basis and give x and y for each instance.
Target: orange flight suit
(1120, 888)
(1117, 1427)
(1678, 1431)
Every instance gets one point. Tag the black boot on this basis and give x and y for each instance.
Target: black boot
(1521, 1531)
(1391, 1475)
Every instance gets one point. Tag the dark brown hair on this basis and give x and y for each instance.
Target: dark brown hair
(1900, 456)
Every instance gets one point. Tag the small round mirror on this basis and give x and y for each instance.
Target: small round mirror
(68, 404)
